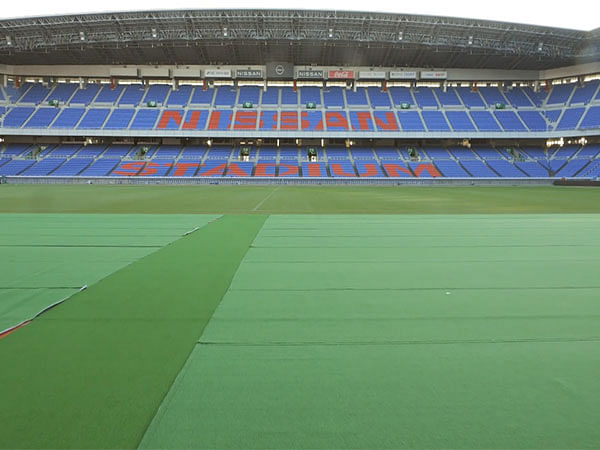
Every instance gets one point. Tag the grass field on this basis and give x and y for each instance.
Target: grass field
(300, 317)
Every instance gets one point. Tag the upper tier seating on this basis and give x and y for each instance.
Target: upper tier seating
(108, 94)
(85, 96)
(560, 94)
(470, 98)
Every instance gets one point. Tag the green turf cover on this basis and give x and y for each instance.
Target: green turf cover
(92, 372)
(48, 257)
(400, 332)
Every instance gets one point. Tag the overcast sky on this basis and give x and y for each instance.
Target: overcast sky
(580, 15)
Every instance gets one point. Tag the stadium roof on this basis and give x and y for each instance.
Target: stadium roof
(333, 38)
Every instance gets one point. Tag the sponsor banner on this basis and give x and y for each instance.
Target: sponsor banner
(217, 73)
(341, 74)
(311, 74)
(249, 73)
(280, 70)
(439, 75)
(403, 75)
(370, 75)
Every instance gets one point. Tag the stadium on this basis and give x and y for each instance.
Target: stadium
(298, 229)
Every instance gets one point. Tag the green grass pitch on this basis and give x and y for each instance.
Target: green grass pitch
(300, 317)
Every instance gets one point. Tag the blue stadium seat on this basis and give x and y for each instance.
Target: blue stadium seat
(484, 120)
(510, 121)
(538, 98)
(314, 169)
(435, 120)
(36, 94)
(15, 166)
(167, 152)
(101, 167)
(94, 119)
(436, 153)
(357, 98)
(180, 96)
(85, 96)
(337, 153)
(560, 94)
(202, 96)
(402, 95)
(310, 94)
(460, 121)
(362, 153)
(411, 121)
(62, 92)
(584, 94)
(571, 168)
(470, 99)
(133, 95)
(570, 119)
(448, 98)
(517, 98)
(533, 169)
(91, 151)
(108, 94)
(534, 120)
(145, 119)
(68, 118)
(492, 95)
(116, 151)
(42, 118)
(249, 94)
(505, 168)
(157, 93)
(425, 97)
(451, 169)
(119, 119)
(193, 153)
(478, 168)
(379, 99)
(591, 118)
(16, 150)
(387, 153)
(43, 167)
(225, 96)
(64, 151)
(271, 96)
(17, 116)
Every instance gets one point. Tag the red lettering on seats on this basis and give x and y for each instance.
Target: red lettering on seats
(336, 120)
(237, 170)
(389, 123)
(429, 168)
(217, 170)
(394, 170)
(314, 169)
(129, 169)
(261, 170)
(192, 122)
(337, 169)
(371, 171)
(289, 120)
(364, 120)
(150, 169)
(245, 120)
(305, 123)
(215, 119)
(167, 117)
(182, 168)
(289, 170)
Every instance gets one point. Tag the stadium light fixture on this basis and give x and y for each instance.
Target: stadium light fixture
(330, 34)
(470, 40)
(225, 32)
(400, 35)
(8, 41)
(154, 33)
(540, 46)
(82, 35)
